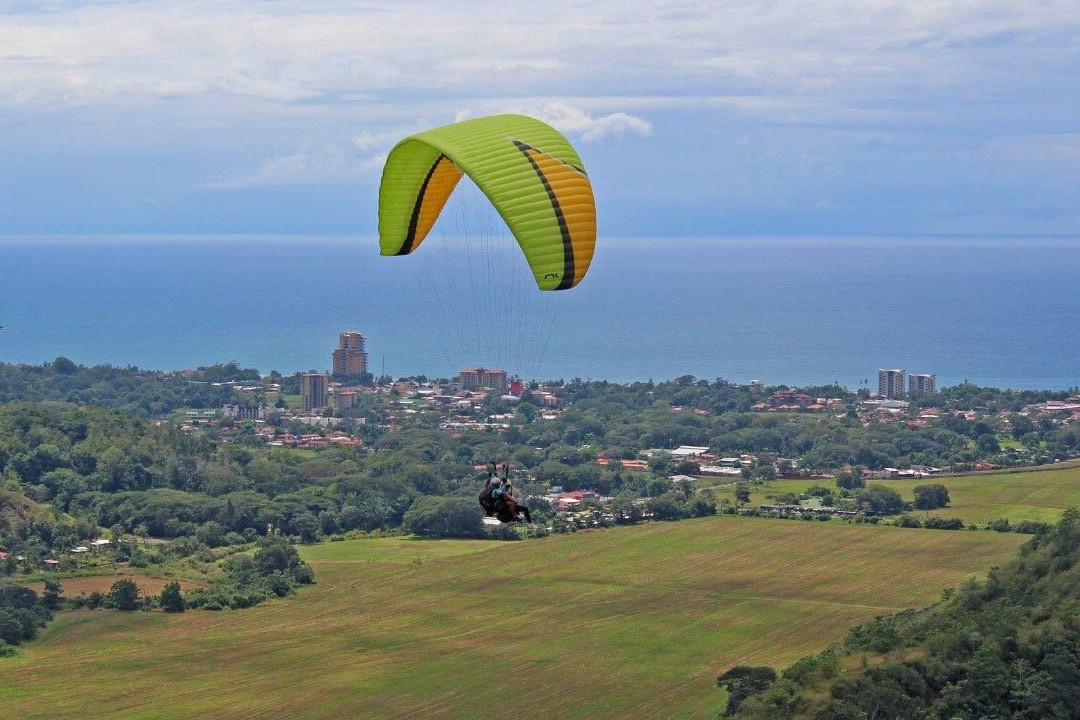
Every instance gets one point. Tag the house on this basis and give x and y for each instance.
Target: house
(684, 452)
(626, 464)
(719, 471)
(570, 500)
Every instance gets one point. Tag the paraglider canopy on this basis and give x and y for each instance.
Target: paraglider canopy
(531, 174)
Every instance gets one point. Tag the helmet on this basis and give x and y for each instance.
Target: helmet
(496, 482)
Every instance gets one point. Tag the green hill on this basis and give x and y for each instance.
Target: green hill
(1005, 648)
(628, 622)
(16, 509)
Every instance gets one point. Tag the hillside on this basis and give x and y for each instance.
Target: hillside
(16, 509)
(634, 621)
(1003, 648)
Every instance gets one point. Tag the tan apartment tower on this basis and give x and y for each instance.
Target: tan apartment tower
(476, 378)
(349, 356)
(918, 384)
(313, 390)
(890, 384)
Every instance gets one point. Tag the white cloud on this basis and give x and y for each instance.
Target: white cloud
(846, 54)
(364, 154)
(141, 78)
(325, 163)
(575, 121)
(567, 118)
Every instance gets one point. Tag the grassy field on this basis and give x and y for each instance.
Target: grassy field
(628, 622)
(1036, 495)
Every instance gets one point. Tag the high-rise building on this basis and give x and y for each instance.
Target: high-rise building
(313, 390)
(476, 378)
(349, 356)
(890, 384)
(922, 384)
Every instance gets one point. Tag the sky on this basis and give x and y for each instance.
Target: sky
(694, 117)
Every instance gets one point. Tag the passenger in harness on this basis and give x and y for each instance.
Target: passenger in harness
(507, 509)
(486, 500)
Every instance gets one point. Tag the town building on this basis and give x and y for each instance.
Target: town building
(790, 398)
(345, 399)
(242, 412)
(350, 358)
(313, 390)
(922, 384)
(891, 384)
(476, 378)
(757, 387)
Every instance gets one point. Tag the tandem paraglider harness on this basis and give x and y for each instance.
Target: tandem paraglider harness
(497, 498)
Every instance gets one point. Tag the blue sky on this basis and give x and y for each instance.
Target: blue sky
(695, 117)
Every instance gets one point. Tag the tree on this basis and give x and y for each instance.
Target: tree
(987, 443)
(687, 467)
(880, 500)
(171, 599)
(850, 478)
(742, 493)
(51, 597)
(124, 595)
(432, 516)
(931, 497)
(1020, 425)
(275, 554)
(742, 681)
(63, 366)
(307, 527)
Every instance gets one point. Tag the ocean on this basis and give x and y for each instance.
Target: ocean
(998, 311)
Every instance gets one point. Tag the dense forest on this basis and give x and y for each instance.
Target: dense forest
(1007, 648)
(146, 393)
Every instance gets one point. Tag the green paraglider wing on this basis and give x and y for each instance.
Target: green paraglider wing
(531, 174)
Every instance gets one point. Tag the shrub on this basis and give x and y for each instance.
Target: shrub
(1031, 527)
(937, 523)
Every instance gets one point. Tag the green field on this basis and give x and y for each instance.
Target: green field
(627, 622)
(1035, 495)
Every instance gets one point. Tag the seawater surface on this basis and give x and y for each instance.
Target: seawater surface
(996, 311)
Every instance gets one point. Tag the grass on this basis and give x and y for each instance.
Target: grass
(1037, 495)
(628, 622)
